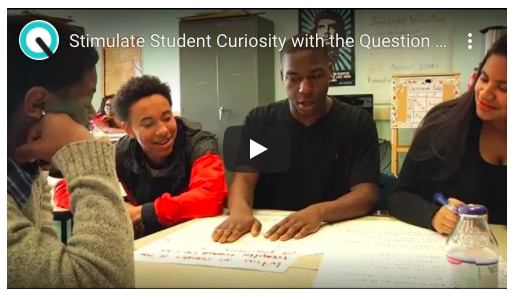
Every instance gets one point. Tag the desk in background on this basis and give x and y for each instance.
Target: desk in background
(300, 275)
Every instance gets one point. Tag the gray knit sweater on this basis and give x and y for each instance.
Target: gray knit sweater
(100, 252)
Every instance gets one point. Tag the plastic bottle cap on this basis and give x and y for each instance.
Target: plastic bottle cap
(472, 209)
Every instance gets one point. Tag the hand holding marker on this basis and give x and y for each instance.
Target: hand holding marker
(445, 219)
(439, 197)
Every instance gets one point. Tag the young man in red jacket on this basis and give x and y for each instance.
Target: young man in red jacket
(170, 168)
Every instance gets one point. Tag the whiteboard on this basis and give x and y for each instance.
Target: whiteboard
(375, 66)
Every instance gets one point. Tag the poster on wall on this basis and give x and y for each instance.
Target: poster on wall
(333, 22)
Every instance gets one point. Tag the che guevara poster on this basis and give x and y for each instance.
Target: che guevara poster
(333, 22)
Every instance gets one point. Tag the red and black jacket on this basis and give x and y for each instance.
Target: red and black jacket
(191, 185)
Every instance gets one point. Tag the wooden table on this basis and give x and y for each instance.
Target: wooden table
(300, 275)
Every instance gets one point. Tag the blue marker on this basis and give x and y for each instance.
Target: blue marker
(444, 201)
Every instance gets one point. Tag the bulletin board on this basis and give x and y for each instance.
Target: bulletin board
(119, 65)
(413, 96)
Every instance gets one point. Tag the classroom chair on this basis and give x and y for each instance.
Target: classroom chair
(387, 182)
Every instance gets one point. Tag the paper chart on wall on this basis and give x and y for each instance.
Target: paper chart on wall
(193, 245)
(420, 99)
(413, 97)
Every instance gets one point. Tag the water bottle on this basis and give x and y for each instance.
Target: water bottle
(472, 251)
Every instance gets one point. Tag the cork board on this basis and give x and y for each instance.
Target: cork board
(119, 65)
(415, 94)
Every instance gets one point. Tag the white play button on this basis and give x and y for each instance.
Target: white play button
(255, 149)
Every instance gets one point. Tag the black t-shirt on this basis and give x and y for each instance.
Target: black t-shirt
(329, 157)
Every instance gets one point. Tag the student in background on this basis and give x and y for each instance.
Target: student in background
(169, 166)
(335, 167)
(105, 119)
(100, 253)
(460, 151)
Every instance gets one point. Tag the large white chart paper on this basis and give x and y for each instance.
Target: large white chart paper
(193, 246)
(392, 255)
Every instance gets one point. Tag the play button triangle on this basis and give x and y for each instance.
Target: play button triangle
(255, 149)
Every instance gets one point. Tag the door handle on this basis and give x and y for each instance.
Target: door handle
(220, 112)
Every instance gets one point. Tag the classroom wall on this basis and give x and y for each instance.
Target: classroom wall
(163, 62)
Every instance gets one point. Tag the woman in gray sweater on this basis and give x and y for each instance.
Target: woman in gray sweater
(100, 252)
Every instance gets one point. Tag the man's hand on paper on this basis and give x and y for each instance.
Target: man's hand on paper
(445, 220)
(235, 226)
(297, 225)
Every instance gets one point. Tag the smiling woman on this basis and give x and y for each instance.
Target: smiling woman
(460, 150)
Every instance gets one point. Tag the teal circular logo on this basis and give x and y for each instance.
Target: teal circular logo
(39, 40)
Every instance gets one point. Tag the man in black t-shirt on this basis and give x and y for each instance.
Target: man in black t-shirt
(334, 169)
